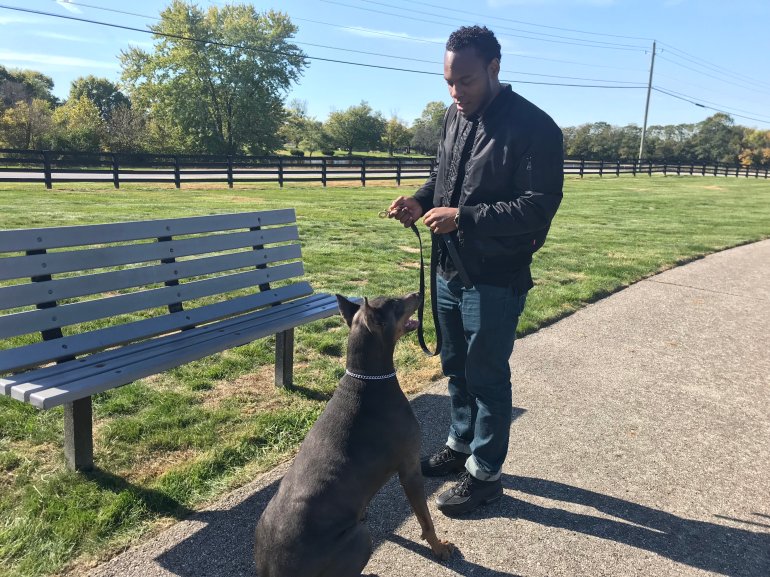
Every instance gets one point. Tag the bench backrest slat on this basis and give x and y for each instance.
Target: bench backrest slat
(59, 237)
(94, 258)
(49, 351)
(32, 293)
(26, 322)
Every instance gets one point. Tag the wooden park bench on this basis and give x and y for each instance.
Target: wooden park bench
(90, 308)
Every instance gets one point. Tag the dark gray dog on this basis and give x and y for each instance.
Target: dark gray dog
(313, 526)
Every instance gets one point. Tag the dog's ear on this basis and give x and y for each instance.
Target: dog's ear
(348, 309)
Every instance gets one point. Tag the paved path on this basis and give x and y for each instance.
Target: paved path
(640, 446)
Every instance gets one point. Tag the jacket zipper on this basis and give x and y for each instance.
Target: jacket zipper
(529, 171)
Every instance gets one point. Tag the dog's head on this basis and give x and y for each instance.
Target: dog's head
(385, 316)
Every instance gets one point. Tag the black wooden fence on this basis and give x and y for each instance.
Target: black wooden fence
(47, 167)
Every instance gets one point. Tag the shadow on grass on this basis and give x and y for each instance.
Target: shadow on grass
(155, 501)
(223, 546)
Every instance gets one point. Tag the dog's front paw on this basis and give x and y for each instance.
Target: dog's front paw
(443, 550)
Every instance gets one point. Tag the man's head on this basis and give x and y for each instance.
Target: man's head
(471, 68)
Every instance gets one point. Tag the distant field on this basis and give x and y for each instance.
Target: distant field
(167, 444)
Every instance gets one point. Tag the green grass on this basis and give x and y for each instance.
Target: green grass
(169, 444)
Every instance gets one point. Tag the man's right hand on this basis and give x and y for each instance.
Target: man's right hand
(406, 210)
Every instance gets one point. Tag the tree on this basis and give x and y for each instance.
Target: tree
(78, 126)
(717, 140)
(223, 96)
(358, 127)
(104, 94)
(296, 123)
(316, 137)
(126, 130)
(396, 135)
(426, 130)
(26, 85)
(26, 124)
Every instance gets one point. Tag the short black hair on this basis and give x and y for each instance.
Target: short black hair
(479, 37)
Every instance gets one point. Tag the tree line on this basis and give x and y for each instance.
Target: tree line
(226, 96)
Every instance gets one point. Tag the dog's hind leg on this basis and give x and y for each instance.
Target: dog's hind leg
(351, 555)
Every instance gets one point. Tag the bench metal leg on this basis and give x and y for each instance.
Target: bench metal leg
(284, 358)
(78, 435)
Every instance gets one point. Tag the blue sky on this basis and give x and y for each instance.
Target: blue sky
(709, 51)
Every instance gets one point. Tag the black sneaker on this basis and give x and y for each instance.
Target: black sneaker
(444, 462)
(468, 494)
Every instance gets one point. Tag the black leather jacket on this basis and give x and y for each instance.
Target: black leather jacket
(511, 190)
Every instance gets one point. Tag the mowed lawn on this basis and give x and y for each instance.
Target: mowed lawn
(168, 444)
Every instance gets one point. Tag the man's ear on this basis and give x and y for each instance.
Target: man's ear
(348, 309)
(494, 69)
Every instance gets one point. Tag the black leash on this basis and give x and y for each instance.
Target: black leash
(463, 274)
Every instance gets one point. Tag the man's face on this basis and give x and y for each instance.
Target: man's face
(470, 80)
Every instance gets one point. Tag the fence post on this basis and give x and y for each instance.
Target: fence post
(323, 171)
(703, 171)
(398, 172)
(363, 172)
(280, 172)
(692, 167)
(115, 171)
(665, 168)
(582, 166)
(617, 168)
(716, 164)
(727, 170)
(747, 172)
(229, 170)
(177, 175)
(601, 168)
(47, 169)
(679, 169)
(649, 167)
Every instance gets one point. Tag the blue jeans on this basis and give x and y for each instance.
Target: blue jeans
(478, 329)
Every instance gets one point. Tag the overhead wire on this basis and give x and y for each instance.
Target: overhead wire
(692, 100)
(309, 57)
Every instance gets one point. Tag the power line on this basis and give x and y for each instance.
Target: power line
(496, 17)
(581, 42)
(714, 67)
(275, 52)
(728, 82)
(700, 105)
(434, 15)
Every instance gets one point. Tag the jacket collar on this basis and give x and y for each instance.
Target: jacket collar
(498, 102)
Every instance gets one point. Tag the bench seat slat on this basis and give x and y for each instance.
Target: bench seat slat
(130, 368)
(22, 386)
(67, 288)
(46, 319)
(93, 258)
(49, 351)
(59, 237)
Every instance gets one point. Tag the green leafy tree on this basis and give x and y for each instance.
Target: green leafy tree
(396, 135)
(126, 130)
(224, 96)
(78, 126)
(717, 139)
(27, 124)
(295, 124)
(357, 128)
(104, 94)
(426, 130)
(26, 85)
(316, 137)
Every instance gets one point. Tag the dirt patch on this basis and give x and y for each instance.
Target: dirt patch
(713, 187)
(413, 381)
(410, 249)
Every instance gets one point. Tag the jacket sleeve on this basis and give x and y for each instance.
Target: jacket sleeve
(537, 185)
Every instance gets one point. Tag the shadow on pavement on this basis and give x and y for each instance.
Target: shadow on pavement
(223, 545)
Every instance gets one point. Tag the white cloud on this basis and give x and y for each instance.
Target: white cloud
(47, 60)
(68, 37)
(387, 34)
(67, 5)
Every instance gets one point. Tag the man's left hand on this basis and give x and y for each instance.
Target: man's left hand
(441, 220)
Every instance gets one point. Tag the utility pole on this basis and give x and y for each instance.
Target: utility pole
(647, 105)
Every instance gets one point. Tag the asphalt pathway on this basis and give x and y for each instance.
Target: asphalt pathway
(640, 445)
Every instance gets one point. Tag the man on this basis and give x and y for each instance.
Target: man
(496, 188)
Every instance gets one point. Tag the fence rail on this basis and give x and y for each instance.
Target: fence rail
(47, 167)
